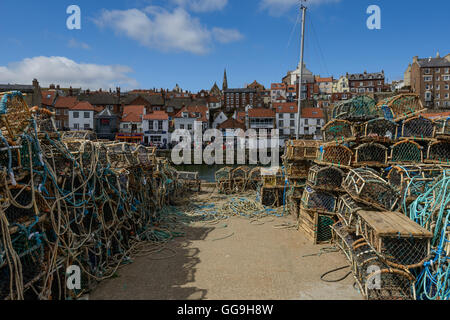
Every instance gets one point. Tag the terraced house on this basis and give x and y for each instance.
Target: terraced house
(430, 78)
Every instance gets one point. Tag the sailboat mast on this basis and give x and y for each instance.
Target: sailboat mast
(300, 81)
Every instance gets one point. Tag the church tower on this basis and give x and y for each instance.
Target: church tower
(225, 81)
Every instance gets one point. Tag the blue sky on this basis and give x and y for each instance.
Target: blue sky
(146, 44)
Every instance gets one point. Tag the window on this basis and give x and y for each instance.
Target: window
(76, 126)
(447, 70)
(438, 96)
(438, 70)
(160, 125)
(446, 78)
(292, 116)
(66, 112)
(182, 126)
(427, 71)
(189, 126)
(438, 87)
(76, 115)
(125, 125)
(428, 79)
(446, 87)
(446, 96)
(58, 112)
(280, 124)
(87, 115)
(150, 125)
(86, 126)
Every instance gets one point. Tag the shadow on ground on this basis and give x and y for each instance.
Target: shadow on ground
(162, 276)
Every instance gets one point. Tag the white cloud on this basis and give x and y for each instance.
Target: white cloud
(226, 35)
(66, 72)
(278, 7)
(202, 5)
(160, 29)
(76, 44)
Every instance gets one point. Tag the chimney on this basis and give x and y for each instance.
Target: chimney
(70, 91)
(58, 87)
(52, 86)
(438, 55)
(415, 59)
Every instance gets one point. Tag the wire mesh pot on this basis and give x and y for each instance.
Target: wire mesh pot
(326, 178)
(366, 186)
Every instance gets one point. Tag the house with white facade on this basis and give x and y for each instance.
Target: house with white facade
(311, 121)
(156, 128)
(81, 116)
(277, 90)
(220, 118)
(185, 119)
(131, 124)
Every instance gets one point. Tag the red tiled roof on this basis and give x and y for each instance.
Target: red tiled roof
(83, 106)
(231, 124)
(278, 86)
(261, 113)
(240, 116)
(48, 97)
(312, 113)
(319, 79)
(132, 113)
(157, 115)
(192, 110)
(288, 107)
(65, 102)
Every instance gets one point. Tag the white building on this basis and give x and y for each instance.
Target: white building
(132, 119)
(81, 116)
(311, 122)
(185, 119)
(221, 118)
(156, 128)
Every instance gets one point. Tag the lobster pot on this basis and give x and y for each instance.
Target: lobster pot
(337, 130)
(319, 201)
(418, 127)
(344, 240)
(272, 177)
(297, 170)
(347, 210)
(404, 105)
(325, 178)
(45, 121)
(316, 226)
(57, 155)
(223, 174)
(365, 186)
(442, 127)
(79, 135)
(412, 181)
(190, 179)
(254, 179)
(9, 156)
(359, 108)
(371, 154)
(120, 155)
(14, 115)
(439, 152)
(398, 240)
(338, 155)
(240, 173)
(380, 129)
(377, 281)
(145, 156)
(406, 152)
(300, 150)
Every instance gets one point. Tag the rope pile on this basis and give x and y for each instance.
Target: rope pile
(63, 203)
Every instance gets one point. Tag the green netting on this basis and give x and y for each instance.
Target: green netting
(406, 152)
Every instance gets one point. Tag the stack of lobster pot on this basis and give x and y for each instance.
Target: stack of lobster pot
(297, 160)
(376, 158)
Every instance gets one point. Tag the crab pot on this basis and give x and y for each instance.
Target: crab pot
(10, 155)
(371, 154)
(412, 181)
(79, 135)
(272, 196)
(297, 170)
(15, 115)
(406, 152)
(400, 242)
(316, 226)
(300, 150)
(358, 108)
(347, 210)
(418, 127)
(319, 201)
(338, 130)
(439, 152)
(325, 178)
(377, 281)
(380, 129)
(337, 155)
(364, 185)
(344, 240)
(442, 127)
(404, 105)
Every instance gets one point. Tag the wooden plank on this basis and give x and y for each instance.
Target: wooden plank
(393, 224)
